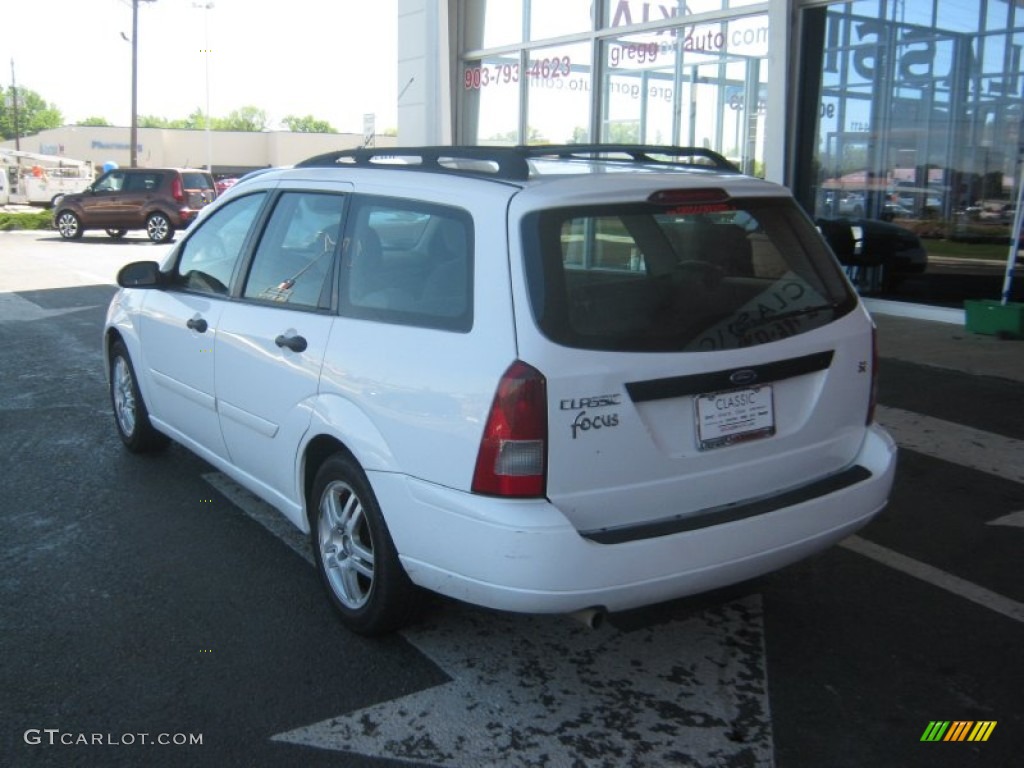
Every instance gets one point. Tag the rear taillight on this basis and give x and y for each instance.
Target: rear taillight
(512, 456)
(178, 191)
(873, 399)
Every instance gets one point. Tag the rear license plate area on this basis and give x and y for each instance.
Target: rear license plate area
(738, 415)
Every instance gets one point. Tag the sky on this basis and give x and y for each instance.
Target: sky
(333, 59)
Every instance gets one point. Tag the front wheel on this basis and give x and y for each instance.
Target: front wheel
(354, 552)
(159, 228)
(130, 413)
(69, 225)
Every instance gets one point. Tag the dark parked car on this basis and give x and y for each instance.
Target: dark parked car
(878, 255)
(159, 200)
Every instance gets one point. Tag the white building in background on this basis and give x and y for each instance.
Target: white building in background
(234, 152)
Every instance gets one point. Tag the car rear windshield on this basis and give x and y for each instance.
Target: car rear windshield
(690, 277)
(197, 181)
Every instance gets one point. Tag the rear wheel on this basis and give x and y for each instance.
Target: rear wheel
(354, 552)
(130, 414)
(159, 228)
(69, 225)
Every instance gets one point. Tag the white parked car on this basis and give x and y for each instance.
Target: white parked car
(543, 379)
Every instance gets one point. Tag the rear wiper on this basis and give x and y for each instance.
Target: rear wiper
(792, 313)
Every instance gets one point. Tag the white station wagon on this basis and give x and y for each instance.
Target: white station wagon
(539, 379)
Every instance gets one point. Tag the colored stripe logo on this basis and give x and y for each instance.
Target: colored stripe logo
(958, 730)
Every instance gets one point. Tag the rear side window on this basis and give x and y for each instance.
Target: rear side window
(142, 182)
(683, 278)
(410, 263)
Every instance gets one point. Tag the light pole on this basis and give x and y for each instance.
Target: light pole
(14, 106)
(133, 151)
(206, 50)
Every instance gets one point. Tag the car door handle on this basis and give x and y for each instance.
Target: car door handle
(197, 324)
(294, 343)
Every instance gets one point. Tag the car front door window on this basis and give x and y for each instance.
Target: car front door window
(209, 256)
(112, 182)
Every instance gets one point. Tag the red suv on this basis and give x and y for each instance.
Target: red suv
(159, 200)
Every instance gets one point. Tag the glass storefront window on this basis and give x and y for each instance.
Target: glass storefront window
(639, 89)
(701, 85)
(698, 84)
(918, 120)
(624, 13)
(492, 23)
(558, 83)
(565, 17)
(490, 100)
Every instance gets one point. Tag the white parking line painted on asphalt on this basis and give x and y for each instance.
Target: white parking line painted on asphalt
(15, 309)
(540, 690)
(1013, 520)
(956, 443)
(915, 311)
(936, 577)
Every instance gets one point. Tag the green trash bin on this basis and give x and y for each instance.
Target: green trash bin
(993, 318)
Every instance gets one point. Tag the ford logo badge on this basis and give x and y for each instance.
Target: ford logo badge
(742, 377)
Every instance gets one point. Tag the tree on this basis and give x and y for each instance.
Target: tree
(34, 114)
(580, 135)
(623, 132)
(512, 137)
(244, 119)
(94, 121)
(307, 124)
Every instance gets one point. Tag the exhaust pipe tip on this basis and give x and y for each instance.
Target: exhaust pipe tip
(592, 618)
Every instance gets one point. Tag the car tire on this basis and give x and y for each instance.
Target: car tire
(130, 413)
(159, 228)
(117, 234)
(69, 225)
(354, 552)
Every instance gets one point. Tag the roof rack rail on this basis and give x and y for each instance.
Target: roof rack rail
(511, 162)
(637, 153)
(498, 162)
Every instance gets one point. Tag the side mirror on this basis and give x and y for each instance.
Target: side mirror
(140, 274)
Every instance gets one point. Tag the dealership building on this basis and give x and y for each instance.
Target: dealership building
(881, 108)
(910, 108)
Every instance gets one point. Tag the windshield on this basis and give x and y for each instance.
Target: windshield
(680, 278)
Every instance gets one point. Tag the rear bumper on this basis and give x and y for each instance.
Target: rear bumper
(526, 556)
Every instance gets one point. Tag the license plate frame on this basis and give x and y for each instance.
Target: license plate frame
(734, 416)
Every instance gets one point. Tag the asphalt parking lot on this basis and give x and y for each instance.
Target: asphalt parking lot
(155, 614)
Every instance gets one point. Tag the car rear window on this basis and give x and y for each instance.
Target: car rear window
(408, 263)
(644, 277)
(197, 181)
